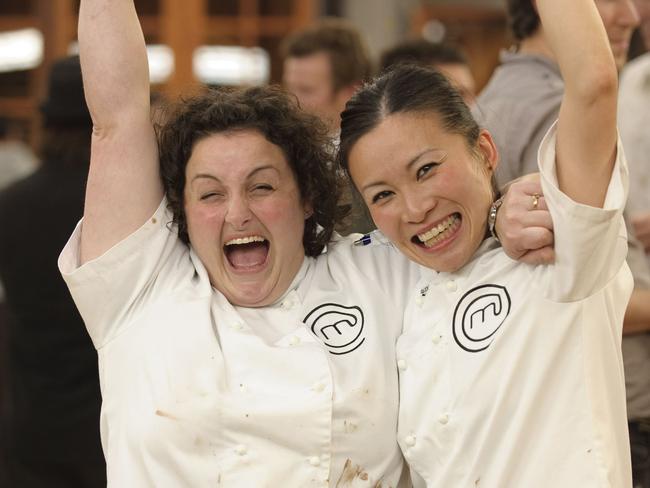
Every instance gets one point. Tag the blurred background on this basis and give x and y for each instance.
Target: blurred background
(49, 388)
(242, 37)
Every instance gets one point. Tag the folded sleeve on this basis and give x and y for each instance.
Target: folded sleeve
(111, 290)
(590, 242)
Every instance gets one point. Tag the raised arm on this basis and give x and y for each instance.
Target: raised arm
(586, 138)
(124, 186)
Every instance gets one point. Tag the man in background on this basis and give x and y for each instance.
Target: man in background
(324, 65)
(522, 99)
(634, 125)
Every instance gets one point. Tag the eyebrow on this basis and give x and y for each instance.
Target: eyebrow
(411, 162)
(250, 175)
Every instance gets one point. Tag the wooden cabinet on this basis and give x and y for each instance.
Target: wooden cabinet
(229, 22)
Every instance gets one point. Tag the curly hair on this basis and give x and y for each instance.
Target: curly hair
(523, 19)
(269, 110)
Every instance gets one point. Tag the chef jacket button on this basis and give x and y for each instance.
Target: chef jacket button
(419, 301)
(314, 461)
(436, 338)
(318, 387)
(287, 304)
(443, 419)
(452, 286)
(294, 340)
(240, 450)
(401, 364)
(237, 326)
(410, 440)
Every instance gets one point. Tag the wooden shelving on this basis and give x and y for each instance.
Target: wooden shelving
(230, 22)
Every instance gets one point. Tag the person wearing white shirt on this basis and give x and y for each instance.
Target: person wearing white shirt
(510, 375)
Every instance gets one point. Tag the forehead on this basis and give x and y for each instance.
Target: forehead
(398, 138)
(313, 68)
(235, 154)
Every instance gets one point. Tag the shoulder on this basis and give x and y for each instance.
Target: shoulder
(371, 254)
(360, 245)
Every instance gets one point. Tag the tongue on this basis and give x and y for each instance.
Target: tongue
(247, 255)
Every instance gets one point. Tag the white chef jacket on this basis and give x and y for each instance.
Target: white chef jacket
(511, 375)
(193, 396)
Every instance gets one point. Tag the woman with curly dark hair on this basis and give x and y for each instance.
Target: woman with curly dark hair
(270, 112)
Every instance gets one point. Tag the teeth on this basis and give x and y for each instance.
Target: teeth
(245, 240)
(441, 227)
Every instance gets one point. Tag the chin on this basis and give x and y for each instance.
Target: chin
(448, 261)
(248, 294)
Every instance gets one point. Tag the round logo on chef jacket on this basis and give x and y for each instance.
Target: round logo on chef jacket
(478, 315)
(339, 327)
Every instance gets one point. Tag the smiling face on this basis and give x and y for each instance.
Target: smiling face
(245, 216)
(426, 190)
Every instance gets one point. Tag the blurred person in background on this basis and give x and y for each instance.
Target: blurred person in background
(16, 158)
(518, 105)
(643, 8)
(522, 98)
(634, 126)
(448, 59)
(634, 116)
(52, 429)
(323, 66)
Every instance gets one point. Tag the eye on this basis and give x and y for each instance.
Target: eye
(262, 188)
(424, 170)
(209, 195)
(382, 195)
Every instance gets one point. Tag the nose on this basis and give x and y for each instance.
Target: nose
(417, 206)
(628, 14)
(238, 213)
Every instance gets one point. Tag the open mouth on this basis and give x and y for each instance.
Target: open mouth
(247, 253)
(440, 232)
